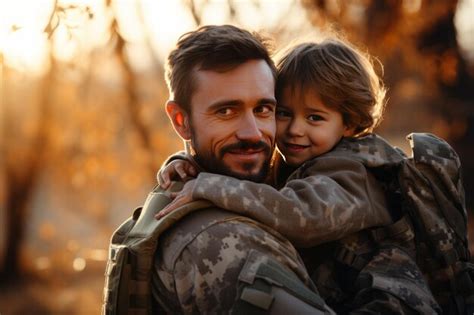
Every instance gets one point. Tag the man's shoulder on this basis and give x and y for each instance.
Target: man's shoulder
(196, 224)
(183, 231)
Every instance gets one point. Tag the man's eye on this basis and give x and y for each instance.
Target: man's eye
(264, 110)
(226, 111)
(315, 117)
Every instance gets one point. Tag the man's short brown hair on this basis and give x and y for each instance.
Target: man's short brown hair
(213, 47)
(341, 75)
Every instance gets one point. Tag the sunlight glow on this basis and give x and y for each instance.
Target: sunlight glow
(42, 263)
(166, 21)
(98, 254)
(21, 38)
(465, 27)
(156, 24)
(79, 264)
(25, 50)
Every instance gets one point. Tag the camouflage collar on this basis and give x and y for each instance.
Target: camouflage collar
(372, 150)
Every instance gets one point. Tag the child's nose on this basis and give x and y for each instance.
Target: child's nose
(295, 128)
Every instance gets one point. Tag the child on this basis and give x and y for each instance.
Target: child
(329, 100)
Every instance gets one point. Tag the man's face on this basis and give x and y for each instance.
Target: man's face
(233, 120)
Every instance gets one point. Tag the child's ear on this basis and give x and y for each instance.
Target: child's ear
(349, 131)
(179, 118)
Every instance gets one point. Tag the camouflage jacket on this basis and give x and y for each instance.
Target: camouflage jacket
(334, 200)
(203, 261)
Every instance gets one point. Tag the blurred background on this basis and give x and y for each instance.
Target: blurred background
(83, 130)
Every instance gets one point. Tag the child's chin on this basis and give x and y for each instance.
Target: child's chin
(293, 162)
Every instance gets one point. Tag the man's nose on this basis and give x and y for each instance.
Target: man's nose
(248, 129)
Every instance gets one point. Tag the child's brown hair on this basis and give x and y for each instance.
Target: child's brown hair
(343, 77)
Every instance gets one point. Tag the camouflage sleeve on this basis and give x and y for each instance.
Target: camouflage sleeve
(200, 263)
(183, 289)
(333, 198)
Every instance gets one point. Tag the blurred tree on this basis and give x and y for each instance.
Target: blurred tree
(130, 85)
(64, 137)
(79, 141)
(21, 178)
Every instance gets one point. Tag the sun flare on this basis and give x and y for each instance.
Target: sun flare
(24, 44)
(22, 41)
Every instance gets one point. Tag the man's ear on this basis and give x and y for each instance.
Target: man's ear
(179, 118)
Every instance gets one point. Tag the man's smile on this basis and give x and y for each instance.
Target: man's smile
(246, 151)
(246, 154)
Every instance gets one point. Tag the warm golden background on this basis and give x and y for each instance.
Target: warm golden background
(83, 131)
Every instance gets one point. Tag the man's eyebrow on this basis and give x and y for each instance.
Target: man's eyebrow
(219, 104)
(267, 101)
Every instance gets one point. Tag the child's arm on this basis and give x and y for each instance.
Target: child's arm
(339, 199)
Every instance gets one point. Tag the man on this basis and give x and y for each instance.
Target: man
(221, 81)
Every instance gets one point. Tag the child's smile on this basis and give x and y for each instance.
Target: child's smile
(292, 147)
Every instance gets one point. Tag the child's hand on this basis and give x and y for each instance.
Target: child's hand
(180, 198)
(181, 168)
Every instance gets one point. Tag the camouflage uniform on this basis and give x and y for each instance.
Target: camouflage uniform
(335, 201)
(214, 261)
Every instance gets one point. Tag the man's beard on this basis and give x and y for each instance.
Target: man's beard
(215, 164)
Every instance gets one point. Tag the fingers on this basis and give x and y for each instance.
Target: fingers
(163, 179)
(173, 195)
(183, 169)
(179, 199)
(191, 170)
(169, 208)
(179, 168)
(162, 213)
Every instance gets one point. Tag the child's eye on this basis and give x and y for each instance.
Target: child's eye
(315, 117)
(281, 113)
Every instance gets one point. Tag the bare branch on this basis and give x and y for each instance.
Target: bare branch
(194, 13)
(50, 27)
(133, 102)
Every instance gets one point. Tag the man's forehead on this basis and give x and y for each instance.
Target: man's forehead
(249, 82)
(255, 66)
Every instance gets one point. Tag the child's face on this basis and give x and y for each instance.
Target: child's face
(306, 128)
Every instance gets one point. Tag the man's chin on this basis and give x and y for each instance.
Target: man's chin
(255, 176)
(256, 172)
